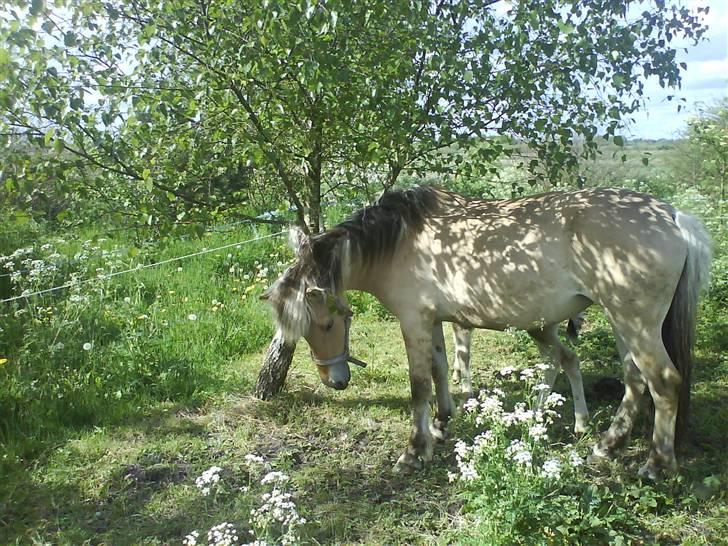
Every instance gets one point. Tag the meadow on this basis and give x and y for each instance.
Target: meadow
(126, 414)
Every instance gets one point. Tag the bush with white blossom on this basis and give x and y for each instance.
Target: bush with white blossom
(518, 478)
(274, 517)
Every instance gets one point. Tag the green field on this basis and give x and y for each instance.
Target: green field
(116, 396)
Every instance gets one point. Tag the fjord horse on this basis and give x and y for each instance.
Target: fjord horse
(430, 256)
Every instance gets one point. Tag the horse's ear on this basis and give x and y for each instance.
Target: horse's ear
(297, 239)
(315, 293)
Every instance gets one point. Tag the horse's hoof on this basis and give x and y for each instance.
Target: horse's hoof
(598, 454)
(580, 428)
(649, 471)
(654, 470)
(438, 429)
(408, 463)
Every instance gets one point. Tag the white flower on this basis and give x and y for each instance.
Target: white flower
(191, 539)
(208, 480)
(179, 270)
(127, 299)
(471, 404)
(87, 346)
(222, 535)
(508, 370)
(251, 459)
(527, 373)
(543, 367)
(274, 477)
(542, 387)
(554, 399)
(192, 316)
(575, 460)
(519, 452)
(467, 471)
(538, 431)
(551, 469)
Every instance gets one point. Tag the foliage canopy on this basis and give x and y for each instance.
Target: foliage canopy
(177, 110)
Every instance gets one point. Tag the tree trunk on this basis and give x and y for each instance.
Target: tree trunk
(273, 374)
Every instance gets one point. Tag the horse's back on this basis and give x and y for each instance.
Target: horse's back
(542, 258)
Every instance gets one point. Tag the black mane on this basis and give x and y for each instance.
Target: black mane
(373, 231)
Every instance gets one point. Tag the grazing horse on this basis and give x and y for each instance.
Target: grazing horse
(429, 256)
(553, 351)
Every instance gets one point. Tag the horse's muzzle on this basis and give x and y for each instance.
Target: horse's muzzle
(336, 376)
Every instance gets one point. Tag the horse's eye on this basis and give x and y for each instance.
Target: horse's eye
(329, 325)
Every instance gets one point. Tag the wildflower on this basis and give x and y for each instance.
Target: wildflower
(508, 370)
(471, 404)
(274, 477)
(461, 449)
(551, 469)
(192, 316)
(575, 460)
(543, 367)
(542, 387)
(554, 399)
(208, 480)
(519, 452)
(252, 459)
(191, 539)
(179, 270)
(467, 471)
(127, 299)
(527, 373)
(222, 535)
(87, 346)
(538, 431)
(3, 361)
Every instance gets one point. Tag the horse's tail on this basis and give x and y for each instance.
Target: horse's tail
(574, 326)
(678, 329)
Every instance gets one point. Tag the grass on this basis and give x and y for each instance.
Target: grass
(132, 482)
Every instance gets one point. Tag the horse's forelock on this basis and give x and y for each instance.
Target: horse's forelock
(287, 296)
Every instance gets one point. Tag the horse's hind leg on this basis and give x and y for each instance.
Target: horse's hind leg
(634, 392)
(442, 391)
(461, 362)
(551, 348)
(663, 380)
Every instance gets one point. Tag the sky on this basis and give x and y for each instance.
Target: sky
(704, 82)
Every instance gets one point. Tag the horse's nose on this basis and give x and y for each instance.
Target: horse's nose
(340, 385)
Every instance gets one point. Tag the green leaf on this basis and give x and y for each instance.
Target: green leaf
(618, 140)
(48, 136)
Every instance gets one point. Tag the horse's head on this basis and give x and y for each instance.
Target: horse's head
(322, 317)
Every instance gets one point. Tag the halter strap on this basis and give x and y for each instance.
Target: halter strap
(344, 356)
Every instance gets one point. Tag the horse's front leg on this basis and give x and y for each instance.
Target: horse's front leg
(442, 390)
(418, 342)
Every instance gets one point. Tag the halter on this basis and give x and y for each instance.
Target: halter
(344, 356)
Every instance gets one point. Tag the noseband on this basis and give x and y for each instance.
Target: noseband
(344, 356)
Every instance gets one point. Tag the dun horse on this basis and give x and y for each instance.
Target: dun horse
(431, 256)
